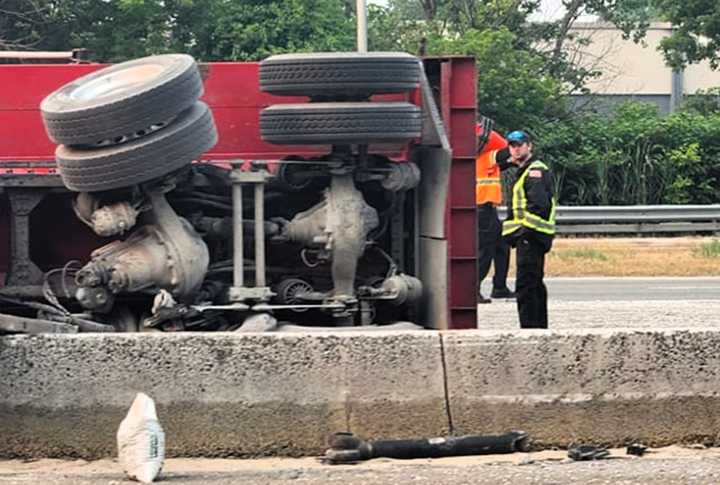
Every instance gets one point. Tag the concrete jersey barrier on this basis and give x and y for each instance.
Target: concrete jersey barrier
(282, 394)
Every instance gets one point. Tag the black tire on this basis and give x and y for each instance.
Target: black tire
(340, 123)
(346, 74)
(155, 155)
(147, 92)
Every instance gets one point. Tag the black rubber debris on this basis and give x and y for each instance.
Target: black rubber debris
(636, 449)
(587, 452)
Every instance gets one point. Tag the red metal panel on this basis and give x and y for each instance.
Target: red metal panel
(231, 89)
(4, 236)
(22, 136)
(462, 245)
(53, 216)
(463, 274)
(462, 195)
(24, 86)
(458, 95)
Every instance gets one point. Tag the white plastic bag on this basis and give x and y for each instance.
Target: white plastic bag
(141, 441)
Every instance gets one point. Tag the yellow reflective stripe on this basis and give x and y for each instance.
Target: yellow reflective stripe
(509, 228)
(539, 221)
(522, 216)
(488, 181)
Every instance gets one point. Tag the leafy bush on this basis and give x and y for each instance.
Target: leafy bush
(635, 156)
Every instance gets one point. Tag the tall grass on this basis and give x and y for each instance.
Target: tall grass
(708, 250)
(582, 253)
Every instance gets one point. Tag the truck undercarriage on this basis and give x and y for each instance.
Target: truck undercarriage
(323, 225)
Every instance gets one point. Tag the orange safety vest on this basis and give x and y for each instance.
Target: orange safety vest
(487, 179)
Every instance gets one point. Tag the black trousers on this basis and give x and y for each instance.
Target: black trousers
(529, 286)
(492, 247)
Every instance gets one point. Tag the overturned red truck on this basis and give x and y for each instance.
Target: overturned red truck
(331, 189)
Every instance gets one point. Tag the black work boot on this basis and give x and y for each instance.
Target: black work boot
(502, 293)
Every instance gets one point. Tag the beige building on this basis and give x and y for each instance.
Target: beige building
(636, 71)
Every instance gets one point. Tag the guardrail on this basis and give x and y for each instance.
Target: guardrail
(627, 219)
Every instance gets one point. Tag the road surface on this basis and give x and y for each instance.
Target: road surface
(623, 289)
(672, 465)
(633, 303)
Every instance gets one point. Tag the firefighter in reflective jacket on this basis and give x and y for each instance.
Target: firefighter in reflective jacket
(492, 157)
(530, 227)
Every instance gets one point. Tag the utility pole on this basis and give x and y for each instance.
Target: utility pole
(361, 11)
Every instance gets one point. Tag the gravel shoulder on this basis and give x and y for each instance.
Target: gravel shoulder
(668, 465)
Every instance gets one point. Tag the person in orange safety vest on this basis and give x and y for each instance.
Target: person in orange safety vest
(493, 156)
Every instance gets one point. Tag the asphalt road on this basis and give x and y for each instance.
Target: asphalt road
(631, 303)
(628, 289)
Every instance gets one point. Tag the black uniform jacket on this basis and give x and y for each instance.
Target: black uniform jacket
(539, 193)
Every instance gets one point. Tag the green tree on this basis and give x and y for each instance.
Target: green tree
(513, 87)
(696, 34)
(252, 30)
(208, 29)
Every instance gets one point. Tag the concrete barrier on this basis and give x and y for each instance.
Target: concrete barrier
(218, 394)
(282, 394)
(608, 387)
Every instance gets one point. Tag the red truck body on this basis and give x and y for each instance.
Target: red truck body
(232, 91)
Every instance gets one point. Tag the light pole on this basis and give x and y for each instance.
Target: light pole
(361, 26)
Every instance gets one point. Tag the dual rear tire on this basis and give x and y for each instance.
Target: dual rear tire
(129, 123)
(345, 79)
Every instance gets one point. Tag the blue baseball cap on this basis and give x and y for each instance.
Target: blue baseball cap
(518, 136)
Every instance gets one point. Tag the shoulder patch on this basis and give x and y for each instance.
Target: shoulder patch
(535, 173)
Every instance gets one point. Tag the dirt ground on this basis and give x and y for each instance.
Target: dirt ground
(672, 256)
(674, 464)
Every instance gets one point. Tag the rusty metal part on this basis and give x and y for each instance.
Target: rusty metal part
(403, 289)
(260, 280)
(15, 324)
(308, 227)
(166, 253)
(86, 325)
(109, 220)
(401, 176)
(398, 290)
(349, 220)
(115, 219)
(263, 307)
(222, 227)
(98, 298)
(84, 205)
(179, 317)
(339, 224)
(235, 307)
(240, 292)
(238, 255)
(23, 271)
